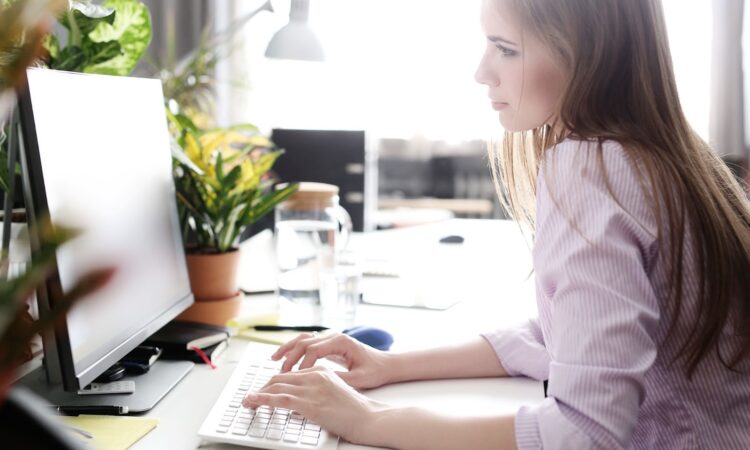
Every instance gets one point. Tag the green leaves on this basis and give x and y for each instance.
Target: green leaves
(83, 17)
(51, 44)
(71, 59)
(107, 39)
(230, 190)
(131, 29)
(99, 52)
(22, 28)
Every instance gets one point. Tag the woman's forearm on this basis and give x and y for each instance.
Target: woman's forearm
(473, 359)
(416, 429)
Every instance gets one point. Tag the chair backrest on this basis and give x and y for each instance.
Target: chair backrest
(326, 156)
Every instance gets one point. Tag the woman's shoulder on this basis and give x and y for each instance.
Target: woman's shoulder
(594, 177)
(580, 153)
(574, 162)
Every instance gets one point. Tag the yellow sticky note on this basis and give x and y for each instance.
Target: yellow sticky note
(269, 337)
(243, 324)
(110, 432)
(266, 318)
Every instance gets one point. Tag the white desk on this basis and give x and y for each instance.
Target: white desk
(495, 263)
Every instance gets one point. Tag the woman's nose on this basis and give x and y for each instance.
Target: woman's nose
(484, 74)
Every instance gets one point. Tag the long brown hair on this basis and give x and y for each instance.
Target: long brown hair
(621, 87)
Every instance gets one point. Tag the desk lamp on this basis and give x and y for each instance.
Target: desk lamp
(296, 40)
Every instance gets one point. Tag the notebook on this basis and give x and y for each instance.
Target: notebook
(180, 336)
(212, 352)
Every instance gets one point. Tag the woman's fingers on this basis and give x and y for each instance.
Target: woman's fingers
(293, 384)
(314, 352)
(294, 378)
(289, 345)
(286, 401)
(276, 389)
(295, 353)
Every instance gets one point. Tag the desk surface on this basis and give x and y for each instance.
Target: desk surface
(494, 265)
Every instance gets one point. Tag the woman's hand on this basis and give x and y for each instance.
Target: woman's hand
(368, 367)
(322, 397)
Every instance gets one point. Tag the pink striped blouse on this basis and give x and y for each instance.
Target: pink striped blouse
(601, 291)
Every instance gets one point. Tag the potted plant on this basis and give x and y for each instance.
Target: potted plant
(222, 183)
(107, 39)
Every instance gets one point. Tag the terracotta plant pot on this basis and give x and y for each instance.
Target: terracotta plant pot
(213, 280)
(213, 276)
(214, 312)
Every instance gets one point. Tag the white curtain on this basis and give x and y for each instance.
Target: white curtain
(727, 122)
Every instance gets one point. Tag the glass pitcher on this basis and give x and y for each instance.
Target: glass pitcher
(311, 229)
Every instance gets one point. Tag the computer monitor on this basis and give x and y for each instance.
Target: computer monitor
(96, 156)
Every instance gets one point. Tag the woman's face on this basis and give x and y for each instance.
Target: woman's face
(524, 82)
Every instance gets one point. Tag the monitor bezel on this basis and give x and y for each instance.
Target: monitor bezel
(58, 354)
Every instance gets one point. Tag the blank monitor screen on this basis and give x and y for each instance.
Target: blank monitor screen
(105, 162)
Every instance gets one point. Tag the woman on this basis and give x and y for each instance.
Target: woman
(641, 256)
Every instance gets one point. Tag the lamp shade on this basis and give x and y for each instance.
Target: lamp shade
(296, 40)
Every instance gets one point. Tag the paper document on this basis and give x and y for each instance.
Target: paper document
(110, 432)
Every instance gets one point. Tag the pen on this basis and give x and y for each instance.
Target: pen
(288, 328)
(92, 409)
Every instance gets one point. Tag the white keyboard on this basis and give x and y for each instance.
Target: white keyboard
(265, 428)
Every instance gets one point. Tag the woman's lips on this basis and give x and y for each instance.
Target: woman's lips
(499, 106)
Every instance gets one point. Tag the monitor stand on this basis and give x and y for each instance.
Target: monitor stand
(150, 387)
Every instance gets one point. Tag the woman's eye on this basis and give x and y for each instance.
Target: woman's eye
(505, 51)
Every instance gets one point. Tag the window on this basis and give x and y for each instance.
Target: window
(406, 68)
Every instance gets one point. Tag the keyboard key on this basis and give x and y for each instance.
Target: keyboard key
(291, 437)
(312, 426)
(222, 429)
(274, 434)
(239, 431)
(257, 432)
(311, 433)
(309, 440)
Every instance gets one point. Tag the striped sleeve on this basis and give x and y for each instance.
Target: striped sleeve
(521, 350)
(589, 261)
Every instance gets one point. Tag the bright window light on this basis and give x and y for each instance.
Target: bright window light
(406, 68)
